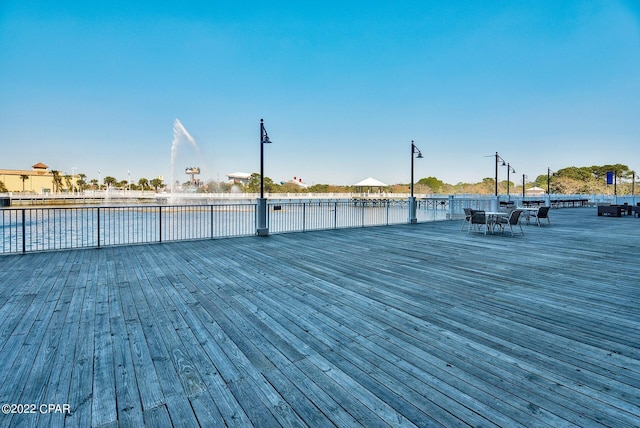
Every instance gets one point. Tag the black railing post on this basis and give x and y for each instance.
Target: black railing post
(24, 232)
(304, 216)
(211, 220)
(388, 204)
(160, 223)
(98, 227)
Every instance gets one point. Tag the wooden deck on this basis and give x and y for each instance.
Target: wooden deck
(388, 326)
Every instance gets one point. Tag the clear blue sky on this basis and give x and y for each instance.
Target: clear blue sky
(343, 86)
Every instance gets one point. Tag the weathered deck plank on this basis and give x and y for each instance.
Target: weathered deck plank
(405, 325)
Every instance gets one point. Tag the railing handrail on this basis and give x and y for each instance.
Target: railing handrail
(43, 228)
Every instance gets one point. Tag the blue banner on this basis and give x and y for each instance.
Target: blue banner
(609, 177)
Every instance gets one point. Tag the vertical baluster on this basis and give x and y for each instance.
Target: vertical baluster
(304, 216)
(387, 213)
(160, 223)
(98, 227)
(24, 232)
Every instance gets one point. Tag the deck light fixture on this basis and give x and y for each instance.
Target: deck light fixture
(509, 169)
(264, 139)
(262, 229)
(549, 172)
(415, 153)
(498, 158)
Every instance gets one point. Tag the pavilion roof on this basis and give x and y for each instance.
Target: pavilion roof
(370, 182)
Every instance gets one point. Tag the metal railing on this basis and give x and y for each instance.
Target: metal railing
(31, 229)
(309, 215)
(45, 229)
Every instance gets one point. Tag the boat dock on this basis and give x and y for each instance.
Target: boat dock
(403, 325)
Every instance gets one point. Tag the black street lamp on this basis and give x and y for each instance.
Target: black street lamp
(262, 229)
(549, 172)
(415, 153)
(509, 169)
(264, 139)
(524, 177)
(498, 158)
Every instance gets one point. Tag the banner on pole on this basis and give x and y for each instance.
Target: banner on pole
(609, 177)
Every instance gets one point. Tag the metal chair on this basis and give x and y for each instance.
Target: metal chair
(543, 212)
(479, 219)
(467, 217)
(512, 220)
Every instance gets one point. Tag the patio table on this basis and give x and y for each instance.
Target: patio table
(526, 211)
(491, 218)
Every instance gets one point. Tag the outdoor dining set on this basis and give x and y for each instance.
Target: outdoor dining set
(615, 210)
(494, 221)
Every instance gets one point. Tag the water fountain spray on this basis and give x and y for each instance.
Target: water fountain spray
(179, 134)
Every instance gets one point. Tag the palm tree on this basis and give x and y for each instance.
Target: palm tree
(144, 184)
(67, 179)
(57, 180)
(110, 181)
(80, 182)
(24, 178)
(156, 182)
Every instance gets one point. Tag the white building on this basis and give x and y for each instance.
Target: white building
(239, 177)
(298, 182)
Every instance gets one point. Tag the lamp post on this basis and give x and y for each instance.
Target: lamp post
(633, 186)
(498, 158)
(509, 169)
(415, 153)
(262, 229)
(524, 178)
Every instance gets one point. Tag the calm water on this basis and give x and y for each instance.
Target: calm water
(38, 229)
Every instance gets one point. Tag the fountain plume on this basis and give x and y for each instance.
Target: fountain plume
(180, 134)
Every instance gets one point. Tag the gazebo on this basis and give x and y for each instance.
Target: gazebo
(535, 191)
(369, 183)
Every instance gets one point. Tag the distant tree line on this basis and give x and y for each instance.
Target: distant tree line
(589, 179)
(65, 182)
(570, 180)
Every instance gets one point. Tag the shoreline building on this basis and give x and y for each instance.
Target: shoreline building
(37, 180)
(239, 177)
(296, 181)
